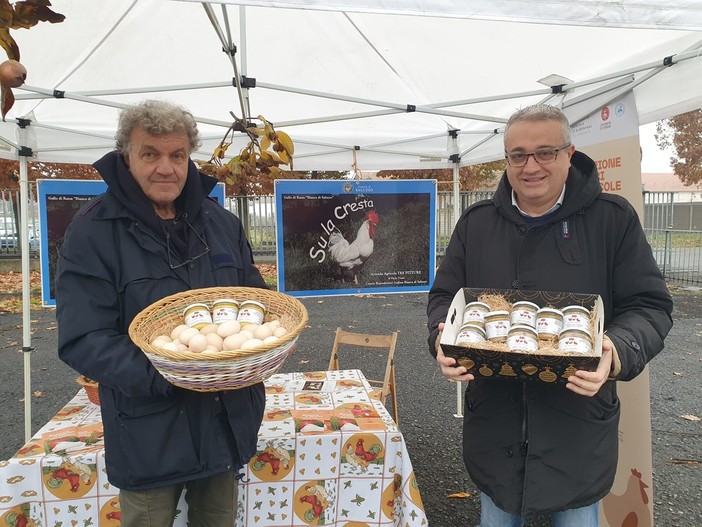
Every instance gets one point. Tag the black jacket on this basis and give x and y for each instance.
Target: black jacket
(112, 265)
(537, 448)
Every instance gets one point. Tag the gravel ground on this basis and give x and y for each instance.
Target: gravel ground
(427, 402)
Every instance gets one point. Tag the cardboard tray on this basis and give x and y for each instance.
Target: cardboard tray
(507, 365)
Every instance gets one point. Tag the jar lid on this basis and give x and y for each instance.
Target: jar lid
(225, 300)
(549, 310)
(576, 307)
(575, 332)
(193, 306)
(521, 303)
(522, 327)
(254, 302)
(473, 327)
(498, 313)
(471, 305)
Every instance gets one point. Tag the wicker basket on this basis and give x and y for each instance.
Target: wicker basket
(226, 370)
(90, 387)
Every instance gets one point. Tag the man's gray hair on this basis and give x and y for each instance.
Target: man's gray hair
(541, 112)
(156, 118)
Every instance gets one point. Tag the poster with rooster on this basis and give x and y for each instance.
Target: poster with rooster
(355, 236)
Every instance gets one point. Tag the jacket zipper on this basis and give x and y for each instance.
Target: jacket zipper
(524, 443)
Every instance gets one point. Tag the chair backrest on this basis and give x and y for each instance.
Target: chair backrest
(343, 339)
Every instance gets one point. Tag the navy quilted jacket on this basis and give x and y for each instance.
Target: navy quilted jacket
(538, 448)
(110, 267)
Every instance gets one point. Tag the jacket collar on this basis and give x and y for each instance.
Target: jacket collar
(123, 187)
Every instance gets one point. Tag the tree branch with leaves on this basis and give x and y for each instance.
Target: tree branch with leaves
(20, 15)
(683, 134)
(257, 163)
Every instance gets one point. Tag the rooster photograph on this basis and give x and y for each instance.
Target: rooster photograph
(340, 242)
(351, 256)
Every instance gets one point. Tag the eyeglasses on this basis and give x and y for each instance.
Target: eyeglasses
(190, 260)
(542, 156)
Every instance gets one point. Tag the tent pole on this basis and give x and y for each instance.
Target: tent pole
(456, 160)
(244, 53)
(230, 50)
(23, 238)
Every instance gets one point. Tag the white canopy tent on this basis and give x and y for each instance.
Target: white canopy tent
(376, 82)
(368, 84)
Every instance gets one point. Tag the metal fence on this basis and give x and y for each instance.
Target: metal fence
(672, 222)
(674, 229)
(10, 234)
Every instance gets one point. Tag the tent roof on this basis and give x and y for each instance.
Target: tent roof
(375, 83)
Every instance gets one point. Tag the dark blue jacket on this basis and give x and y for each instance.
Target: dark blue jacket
(111, 266)
(537, 448)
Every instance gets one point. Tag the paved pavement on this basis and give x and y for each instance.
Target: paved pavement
(427, 402)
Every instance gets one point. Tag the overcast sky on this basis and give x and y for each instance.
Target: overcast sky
(653, 159)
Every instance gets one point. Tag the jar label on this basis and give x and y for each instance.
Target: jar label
(497, 329)
(576, 321)
(222, 311)
(250, 313)
(548, 325)
(468, 335)
(197, 316)
(473, 315)
(523, 316)
(574, 344)
(521, 342)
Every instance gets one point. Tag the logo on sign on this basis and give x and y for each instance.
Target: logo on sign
(604, 113)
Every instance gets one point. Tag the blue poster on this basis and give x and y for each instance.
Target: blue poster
(355, 236)
(59, 200)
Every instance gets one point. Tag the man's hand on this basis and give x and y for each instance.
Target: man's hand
(452, 371)
(588, 383)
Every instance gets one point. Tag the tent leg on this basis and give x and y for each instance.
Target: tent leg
(23, 238)
(459, 400)
(456, 215)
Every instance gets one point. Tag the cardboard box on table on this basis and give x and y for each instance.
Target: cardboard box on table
(482, 360)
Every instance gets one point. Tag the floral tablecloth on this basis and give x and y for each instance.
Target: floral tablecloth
(328, 454)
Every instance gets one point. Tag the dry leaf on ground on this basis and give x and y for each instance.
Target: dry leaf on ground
(689, 417)
(460, 495)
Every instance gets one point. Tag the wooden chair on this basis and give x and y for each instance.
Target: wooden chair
(363, 340)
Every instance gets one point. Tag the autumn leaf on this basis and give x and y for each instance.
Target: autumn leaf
(8, 99)
(460, 495)
(30, 12)
(691, 462)
(8, 43)
(23, 15)
(221, 150)
(689, 417)
(38, 393)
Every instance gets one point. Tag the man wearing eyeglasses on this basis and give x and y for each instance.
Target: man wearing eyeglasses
(154, 233)
(535, 449)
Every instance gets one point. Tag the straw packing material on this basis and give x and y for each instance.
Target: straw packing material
(224, 370)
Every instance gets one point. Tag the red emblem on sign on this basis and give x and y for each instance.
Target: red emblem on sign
(605, 113)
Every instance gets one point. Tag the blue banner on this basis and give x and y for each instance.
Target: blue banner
(59, 200)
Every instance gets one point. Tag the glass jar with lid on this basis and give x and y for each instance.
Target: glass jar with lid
(497, 325)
